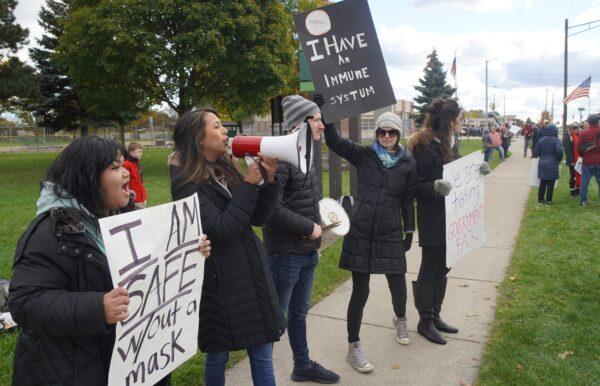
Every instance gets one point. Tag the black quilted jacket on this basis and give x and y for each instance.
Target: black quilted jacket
(239, 305)
(383, 207)
(295, 213)
(56, 296)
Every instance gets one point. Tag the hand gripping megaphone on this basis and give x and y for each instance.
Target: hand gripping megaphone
(295, 148)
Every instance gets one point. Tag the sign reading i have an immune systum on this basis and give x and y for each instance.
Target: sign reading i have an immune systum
(345, 59)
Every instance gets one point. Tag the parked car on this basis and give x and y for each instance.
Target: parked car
(475, 131)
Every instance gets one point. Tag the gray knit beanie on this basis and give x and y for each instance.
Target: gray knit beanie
(296, 109)
(389, 120)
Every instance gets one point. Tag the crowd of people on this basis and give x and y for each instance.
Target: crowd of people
(580, 148)
(61, 293)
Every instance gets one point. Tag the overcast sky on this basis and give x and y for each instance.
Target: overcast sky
(522, 39)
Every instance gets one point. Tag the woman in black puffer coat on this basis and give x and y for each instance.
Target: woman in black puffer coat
(61, 292)
(239, 308)
(382, 212)
(433, 147)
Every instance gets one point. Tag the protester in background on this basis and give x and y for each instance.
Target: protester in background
(550, 151)
(239, 308)
(537, 135)
(488, 145)
(589, 150)
(61, 292)
(497, 142)
(382, 212)
(527, 135)
(432, 148)
(505, 138)
(133, 165)
(292, 237)
(572, 155)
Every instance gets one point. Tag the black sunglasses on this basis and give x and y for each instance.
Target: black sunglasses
(389, 133)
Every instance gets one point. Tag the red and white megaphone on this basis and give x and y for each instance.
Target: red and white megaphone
(295, 148)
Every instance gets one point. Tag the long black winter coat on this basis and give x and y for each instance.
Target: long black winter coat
(239, 305)
(384, 202)
(296, 211)
(431, 207)
(56, 296)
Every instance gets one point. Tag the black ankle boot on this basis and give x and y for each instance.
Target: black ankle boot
(423, 293)
(439, 292)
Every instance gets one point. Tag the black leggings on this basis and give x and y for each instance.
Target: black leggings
(547, 189)
(433, 264)
(360, 294)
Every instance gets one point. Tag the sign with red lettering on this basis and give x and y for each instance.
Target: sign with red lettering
(344, 58)
(465, 225)
(154, 254)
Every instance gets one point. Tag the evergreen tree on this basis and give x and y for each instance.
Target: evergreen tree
(433, 85)
(18, 86)
(61, 106)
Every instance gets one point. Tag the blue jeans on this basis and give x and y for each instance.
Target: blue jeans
(293, 276)
(487, 154)
(261, 365)
(586, 176)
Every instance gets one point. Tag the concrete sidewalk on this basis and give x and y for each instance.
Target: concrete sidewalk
(469, 305)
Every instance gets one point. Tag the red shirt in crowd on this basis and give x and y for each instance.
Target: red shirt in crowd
(135, 180)
(590, 135)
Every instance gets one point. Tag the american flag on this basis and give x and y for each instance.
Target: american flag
(583, 90)
(453, 69)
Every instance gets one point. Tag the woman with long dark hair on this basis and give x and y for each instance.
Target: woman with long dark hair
(61, 293)
(239, 308)
(432, 147)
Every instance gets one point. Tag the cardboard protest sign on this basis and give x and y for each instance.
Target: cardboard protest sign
(345, 59)
(514, 129)
(154, 254)
(465, 227)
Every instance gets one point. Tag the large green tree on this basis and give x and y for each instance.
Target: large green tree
(18, 86)
(432, 85)
(234, 54)
(60, 107)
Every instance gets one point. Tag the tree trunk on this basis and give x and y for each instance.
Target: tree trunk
(122, 132)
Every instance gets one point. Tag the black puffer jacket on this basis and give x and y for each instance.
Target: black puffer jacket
(431, 207)
(56, 296)
(384, 202)
(239, 305)
(296, 211)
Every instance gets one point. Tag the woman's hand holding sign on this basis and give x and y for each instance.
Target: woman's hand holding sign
(115, 305)
(204, 246)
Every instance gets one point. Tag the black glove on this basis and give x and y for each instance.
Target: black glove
(318, 99)
(407, 241)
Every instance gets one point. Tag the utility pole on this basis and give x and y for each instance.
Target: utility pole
(581, 109)
(564, 117)
(486, 96)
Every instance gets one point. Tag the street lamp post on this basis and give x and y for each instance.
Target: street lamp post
(581, 109)
(486, 96)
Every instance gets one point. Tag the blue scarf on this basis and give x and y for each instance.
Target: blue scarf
(388, 160)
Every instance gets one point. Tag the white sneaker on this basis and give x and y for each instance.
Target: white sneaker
(356, 358)
(401, 330)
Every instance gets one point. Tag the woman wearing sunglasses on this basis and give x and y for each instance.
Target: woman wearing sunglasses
(382, 213)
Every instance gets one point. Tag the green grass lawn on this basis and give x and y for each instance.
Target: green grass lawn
(546, 328)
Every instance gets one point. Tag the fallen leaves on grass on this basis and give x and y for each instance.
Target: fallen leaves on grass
(520, 367)
(396, 366)
(564, 355)
(513, 278)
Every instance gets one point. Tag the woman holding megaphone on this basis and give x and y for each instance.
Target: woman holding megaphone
(239, 308)
(383, 211)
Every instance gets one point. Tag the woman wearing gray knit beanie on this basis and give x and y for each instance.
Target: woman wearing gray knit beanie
(382, 214)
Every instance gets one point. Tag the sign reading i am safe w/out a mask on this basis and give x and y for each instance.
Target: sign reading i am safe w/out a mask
(345, 59)
(154, 254)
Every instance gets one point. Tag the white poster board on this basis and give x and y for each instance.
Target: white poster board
(515, 129)
(154, 253)
(465, 225)
(533, 173)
